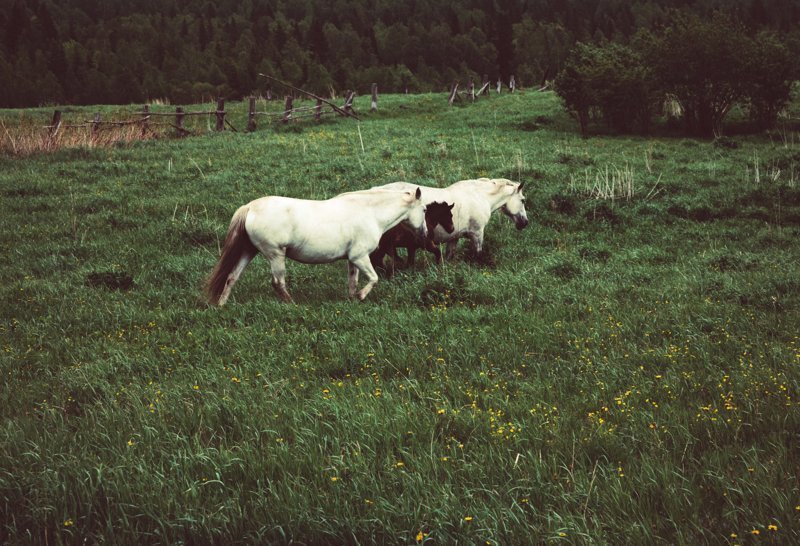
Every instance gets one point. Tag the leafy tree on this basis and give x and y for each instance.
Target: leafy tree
(771, 69)
(703, 62)
(607, 81)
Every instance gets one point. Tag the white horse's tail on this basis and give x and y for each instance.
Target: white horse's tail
(237, 245)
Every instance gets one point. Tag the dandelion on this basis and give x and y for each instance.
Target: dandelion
(399, 464)
(755, 532)
(236, 379)
(420, 536)
(468, 518)
(196, 387)
(772, 527)
(440, 411)
(131, 443)
(334, 478)
(734, 535)
(68, 523)
(562, 534)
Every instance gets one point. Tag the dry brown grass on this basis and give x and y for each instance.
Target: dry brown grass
(26, 139)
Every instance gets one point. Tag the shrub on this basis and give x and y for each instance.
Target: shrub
(609, 82)
(771, 69)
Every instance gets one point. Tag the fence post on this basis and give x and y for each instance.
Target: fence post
(453, 93)
(512, 84)
(374, 106)
(55, 125)
(485, 84)
(471, 90)
(499, 85)
(318, 110)
(145, 118)
(220, 114)
(179, 121)
(287, 109)
(251, 115)
(348, 102)
(96, 125)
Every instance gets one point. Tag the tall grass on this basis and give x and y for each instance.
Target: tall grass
(617, 373)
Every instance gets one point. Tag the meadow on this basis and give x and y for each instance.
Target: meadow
(623, 371)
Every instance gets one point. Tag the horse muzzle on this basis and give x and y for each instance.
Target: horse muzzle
(521, 223)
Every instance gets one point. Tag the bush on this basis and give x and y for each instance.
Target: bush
(703, 67)
(704, 64)
(608, 82)
(772, 67)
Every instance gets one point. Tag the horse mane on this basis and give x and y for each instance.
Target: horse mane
(372, 193)
(499, 183)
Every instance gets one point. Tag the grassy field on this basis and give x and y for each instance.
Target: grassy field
(624, 371)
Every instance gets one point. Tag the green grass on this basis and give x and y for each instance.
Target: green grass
(622, 371)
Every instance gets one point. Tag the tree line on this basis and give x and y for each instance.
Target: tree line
(693, 71)
(133, 51)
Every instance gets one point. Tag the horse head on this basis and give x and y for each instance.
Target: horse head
(514, 206)
(439, 214)
(416, 214)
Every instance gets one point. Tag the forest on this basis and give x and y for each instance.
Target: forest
(127, 51)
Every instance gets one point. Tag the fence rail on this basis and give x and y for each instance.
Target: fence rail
(146, 117)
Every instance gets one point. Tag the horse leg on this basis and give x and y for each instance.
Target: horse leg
(352, 277)
(365, 267)
(234, 275)
(395, 259)
(412, 254)
(450, 250)
(433, 248)
(477, 241)
(277, 263)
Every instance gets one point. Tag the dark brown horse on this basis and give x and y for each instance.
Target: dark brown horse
(436, 214)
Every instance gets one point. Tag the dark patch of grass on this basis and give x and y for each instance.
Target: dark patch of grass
(565, 270)
(111, 280)
(563, 204)
(602, 212)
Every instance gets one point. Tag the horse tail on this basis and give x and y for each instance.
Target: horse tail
(237, 246)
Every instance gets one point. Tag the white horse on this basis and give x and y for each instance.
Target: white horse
(475, 201)
(348, 226)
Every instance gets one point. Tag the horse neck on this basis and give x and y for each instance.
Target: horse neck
(388, 211)
(497, 198)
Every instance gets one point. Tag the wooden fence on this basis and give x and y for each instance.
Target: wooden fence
(470, 93)
(147, 119)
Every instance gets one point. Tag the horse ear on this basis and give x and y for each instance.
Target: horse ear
(451, 206)
(419, 193)
(519, 188)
